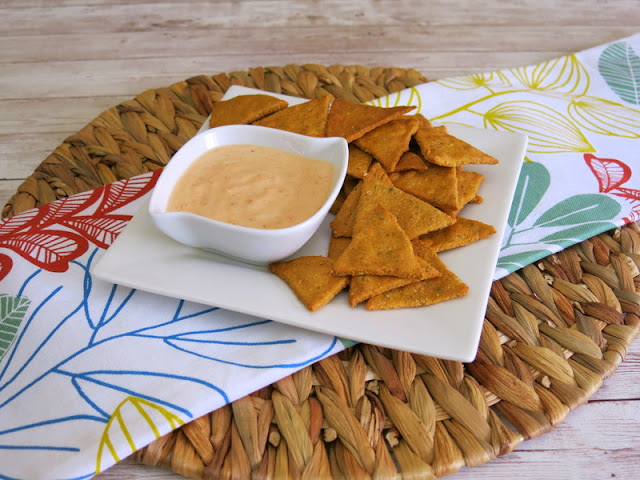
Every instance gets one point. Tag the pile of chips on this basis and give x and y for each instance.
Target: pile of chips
(397, 209)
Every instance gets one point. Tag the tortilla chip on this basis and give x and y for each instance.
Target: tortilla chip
(411, 161)
(309, 118)
(338, 202)
(363, 287)
(414, 216)
(388, 142)
(379, 247)
(468, 186)
(352, 120)
(376, 172)
(443, 149)
(342, 224)
(311, 280)
(244, 109)
(425, 292)
(477, 199)
(437, 185)
(359, 161)
(464, 232)
(337, 245)
(424, 121)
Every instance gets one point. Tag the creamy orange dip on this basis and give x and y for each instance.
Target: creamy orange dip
(253, 186)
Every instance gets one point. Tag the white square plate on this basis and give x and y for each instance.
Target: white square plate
(144, 258)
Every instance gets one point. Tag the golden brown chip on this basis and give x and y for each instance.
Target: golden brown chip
(359, 162)
(342, 224)
(477, 199)
(311, 279)
(468, 186)
(425, 292)
(464, 232)
(388, 142)
(437, 185)
(244, 109)
(411, 161)
(424, 121)
(379, 247)
(363, 287)
(376, 172)
(338, 202)
(448, 151)
(414, 216)
(309, 118)
(337, 245)
(352, 120)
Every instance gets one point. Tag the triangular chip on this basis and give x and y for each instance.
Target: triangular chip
(425, 292)
(411, 161)
(337, 245)
(424, 121)
(468, 186)
(388, 142)
(309, 118)
(376, 172)
(379, 247)
(464, 232)
(311, 279)
(436, 185)
(342, 224)
(441, 148)
(351, 120)
(359, 161)
(414, 216)
(363, 287)
(244, 109)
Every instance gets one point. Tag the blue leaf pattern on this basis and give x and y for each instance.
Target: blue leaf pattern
(104, 315)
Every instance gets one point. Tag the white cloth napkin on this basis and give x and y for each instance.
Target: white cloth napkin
(90, 371)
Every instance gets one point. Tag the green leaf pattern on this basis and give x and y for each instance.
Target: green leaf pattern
(620, 67)
(532, 185)
(579, 210)
(12, 311)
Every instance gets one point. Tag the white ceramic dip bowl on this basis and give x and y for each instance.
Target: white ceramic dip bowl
(252, 245)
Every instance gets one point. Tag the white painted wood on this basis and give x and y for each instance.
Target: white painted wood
(62, 62)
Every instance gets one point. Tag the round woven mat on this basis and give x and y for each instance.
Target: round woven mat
(553, 331)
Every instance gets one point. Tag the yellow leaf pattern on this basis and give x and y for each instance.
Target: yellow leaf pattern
(469, 82)
(564, 74)
(130, 412)
(549, 131)
(605, 117)
(409, 96)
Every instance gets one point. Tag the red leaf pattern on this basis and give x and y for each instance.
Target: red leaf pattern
(120, 193)
(55, 211)
(17, 222)
(30, 234)
(101, 230)
(51, 250)
(610, 173)
(5, 265)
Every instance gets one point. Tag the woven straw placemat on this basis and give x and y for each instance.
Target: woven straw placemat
(553, 331)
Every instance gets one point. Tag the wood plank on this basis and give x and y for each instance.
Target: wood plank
(313, 40)
(129, 77)
(96, 18)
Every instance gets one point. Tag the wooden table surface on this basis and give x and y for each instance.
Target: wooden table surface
(62, 62)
